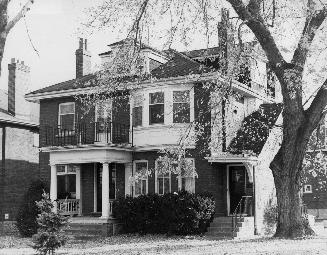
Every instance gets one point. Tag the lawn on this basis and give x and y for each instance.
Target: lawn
(159, 244)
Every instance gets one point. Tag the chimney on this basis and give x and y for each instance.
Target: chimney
(18, 82)
(224, 36)
(83, 59)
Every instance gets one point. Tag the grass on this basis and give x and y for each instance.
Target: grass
(161, 244)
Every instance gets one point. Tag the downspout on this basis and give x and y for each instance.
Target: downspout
(3, 173)
(254, 202)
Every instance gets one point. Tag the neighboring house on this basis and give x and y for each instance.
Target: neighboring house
(19, 138)
(315, 178)
(89, 157)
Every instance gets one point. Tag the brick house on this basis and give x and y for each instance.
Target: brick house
(315, 178)
(19, 133)
(89, 157)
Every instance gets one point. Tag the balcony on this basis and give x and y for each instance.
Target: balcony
(87, 134)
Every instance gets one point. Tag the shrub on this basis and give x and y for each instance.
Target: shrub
(28, 211)
(179, 213)
(50, 235)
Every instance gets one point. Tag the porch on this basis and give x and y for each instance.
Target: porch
(86, 181)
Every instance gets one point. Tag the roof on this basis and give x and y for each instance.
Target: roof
(9, 120)
(83, 82)
(255, 128)
(180, 64)
(202, 52)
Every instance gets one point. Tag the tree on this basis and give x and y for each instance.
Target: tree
(262, 18)
(49, 236)
(6, 25)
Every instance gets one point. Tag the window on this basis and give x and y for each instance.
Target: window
(163, 181)
(141, 185)
(103, 111)
(156, 108)
(307, 188)
(186, 179)
(66, 181)
(137, 111)
(181, 106)
(67, 116)
(112, 180)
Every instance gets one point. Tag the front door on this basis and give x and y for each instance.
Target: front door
(237, 178)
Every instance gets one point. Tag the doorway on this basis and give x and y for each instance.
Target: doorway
(237, 180)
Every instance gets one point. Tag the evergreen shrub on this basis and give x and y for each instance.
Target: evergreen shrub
(179, 213)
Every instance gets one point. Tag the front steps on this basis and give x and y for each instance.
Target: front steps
(91, 227)
(221, 228)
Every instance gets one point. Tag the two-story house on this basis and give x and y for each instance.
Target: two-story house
(90, 156)
(19, 133)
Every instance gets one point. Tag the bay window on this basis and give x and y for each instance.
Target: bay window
(66, 119)
(156, 108)
(181, 106)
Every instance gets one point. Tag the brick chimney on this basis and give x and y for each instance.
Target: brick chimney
(83, 59)
(18, 82)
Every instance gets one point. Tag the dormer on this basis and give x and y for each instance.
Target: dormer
(149, 58)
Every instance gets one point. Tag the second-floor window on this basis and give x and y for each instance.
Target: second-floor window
(103, 111)
(156, 108)
(137, 111)
(66, 118)
(181, 106)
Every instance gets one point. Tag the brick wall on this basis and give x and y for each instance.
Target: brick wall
(21, 168)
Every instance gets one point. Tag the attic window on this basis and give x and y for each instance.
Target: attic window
(307, 188)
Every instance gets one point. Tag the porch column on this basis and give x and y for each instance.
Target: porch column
(78, 189)
(105, 191)
(53, 187)
(128, 173)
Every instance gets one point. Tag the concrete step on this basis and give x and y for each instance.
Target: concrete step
(221, 230)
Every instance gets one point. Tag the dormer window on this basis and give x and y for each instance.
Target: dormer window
(181, 106)
(156, 108)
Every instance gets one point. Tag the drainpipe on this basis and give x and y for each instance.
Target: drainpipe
(255, 202)
(3, 174)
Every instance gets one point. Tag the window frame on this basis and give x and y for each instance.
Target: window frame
(59, 113)
(180, 179)
(188, 103)
(97, 105)
(138, 102)
(142, 179)
(157, 182)
(150, 104)
(304, 189)
(66, 173)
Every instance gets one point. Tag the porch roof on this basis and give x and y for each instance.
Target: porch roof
(232, 158)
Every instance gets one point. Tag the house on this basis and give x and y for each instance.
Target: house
(19, 133)
(89, 157)
(315, 177)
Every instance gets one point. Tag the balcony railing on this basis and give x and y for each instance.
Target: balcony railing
(88, 133)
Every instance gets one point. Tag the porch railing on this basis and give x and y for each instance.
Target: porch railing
(87, 133)
(68, 206)
(243, 208)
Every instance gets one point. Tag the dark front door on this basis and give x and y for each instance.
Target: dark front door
(237, 185)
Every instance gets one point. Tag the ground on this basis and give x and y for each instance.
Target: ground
(158, 244)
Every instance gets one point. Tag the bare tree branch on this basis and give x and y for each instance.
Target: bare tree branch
(19, 15)
(251, 16)
(313, 22)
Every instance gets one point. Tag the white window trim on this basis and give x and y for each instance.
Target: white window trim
(97, 106)
(193, 178)
(146, 179)
(189, 102)
(59, 119)
(134, 105)
(164, 104)
(66, 170)
(304, 189)
(156, 176)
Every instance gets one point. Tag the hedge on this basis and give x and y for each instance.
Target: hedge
(180, 213)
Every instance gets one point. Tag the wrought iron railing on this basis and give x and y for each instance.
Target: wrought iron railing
(243, 208)
(87, 133)
(68, 206)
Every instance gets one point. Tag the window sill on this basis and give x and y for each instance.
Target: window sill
(161, 126)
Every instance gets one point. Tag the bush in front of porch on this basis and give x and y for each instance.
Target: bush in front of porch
(179, 213)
